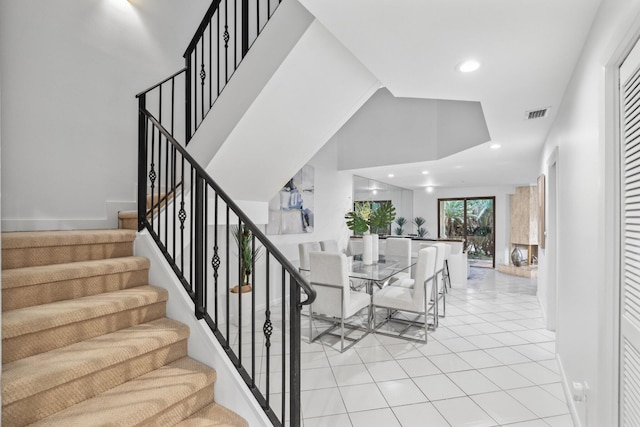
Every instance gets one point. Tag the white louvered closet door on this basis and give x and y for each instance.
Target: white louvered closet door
(630, 241)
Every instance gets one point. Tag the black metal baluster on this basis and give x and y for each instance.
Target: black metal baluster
(268, 330)
(215, 261)
(152, 172)
(294, 347)
(284, 346)
(226, 42)
(155, 209)
(205, 247)
(195, 89)
(227, 272)
(218, 50)
(203, 76)
(187, 101)
(193, 219)
(235, 35)
(210, 61)
(241, 283)
(253, 310)
(182, 216)
(245, 26)
(142, 161)
(199, 245)
(175, 196)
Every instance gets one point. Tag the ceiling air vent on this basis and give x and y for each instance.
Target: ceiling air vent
(535, 114)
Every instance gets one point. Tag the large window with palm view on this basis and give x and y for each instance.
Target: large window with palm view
(471, 220)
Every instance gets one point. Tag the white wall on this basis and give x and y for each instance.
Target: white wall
(69, 74)
(426, 205)
(586, 340)
(333, 199)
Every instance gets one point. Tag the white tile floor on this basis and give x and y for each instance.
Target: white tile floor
(490, 363)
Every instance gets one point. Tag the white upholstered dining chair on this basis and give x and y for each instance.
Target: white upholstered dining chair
(400, 248)
(417, 300)
(329, 246)
(335, 301)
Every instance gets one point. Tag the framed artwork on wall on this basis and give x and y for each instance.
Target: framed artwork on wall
(541, 209)
(291, 211)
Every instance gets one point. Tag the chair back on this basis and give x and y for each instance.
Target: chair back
(440, 257)
(304, 249)
(447, 251)
(329, 268)
(425, 267)
(329, 246)
(398, 247)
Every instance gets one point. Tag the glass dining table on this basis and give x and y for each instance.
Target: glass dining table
(374, 276)
(378, 274)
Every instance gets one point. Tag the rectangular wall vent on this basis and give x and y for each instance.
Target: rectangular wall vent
(535, 114)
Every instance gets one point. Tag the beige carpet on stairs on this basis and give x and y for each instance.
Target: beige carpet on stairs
(86, 341)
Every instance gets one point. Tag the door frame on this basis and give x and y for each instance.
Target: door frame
(551, 242)
(493, 219)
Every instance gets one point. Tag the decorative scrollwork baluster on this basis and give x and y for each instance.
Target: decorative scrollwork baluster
(226, 36)
(182, 215)
(203, 74)
(267, 329)
(215, 262)
(152, 176)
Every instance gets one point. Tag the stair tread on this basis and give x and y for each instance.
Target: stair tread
(128, 214)
(27, 276)
(214, 415)
(41, 239)
(140, 399)
(46, 316)
(32, 375)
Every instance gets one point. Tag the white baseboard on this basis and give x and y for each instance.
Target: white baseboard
(109, 222)
(568, 394)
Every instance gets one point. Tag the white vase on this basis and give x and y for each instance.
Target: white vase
(375, 254)
(367, 249)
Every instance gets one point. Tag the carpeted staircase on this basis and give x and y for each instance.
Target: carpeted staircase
(85, 340)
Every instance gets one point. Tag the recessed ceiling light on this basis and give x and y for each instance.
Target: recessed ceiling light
(494, 146)
(468, 66)
(425, 172)
(375, 191)
(429, 189)
(391, 175)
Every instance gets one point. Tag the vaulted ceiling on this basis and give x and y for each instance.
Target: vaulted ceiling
(527, 50)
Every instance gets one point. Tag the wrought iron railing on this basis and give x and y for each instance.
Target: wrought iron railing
(192, 220)
(224, 37)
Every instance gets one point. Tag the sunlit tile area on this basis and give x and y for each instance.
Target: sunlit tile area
(490, 363)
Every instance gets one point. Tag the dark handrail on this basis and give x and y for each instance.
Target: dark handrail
(157, 85)
(308, 290)
(203, 25)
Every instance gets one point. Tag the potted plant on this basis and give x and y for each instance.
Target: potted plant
(248, 256)
(419, 221)
(366, 220)
(401, 221)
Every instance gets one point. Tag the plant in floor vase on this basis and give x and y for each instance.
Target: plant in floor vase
(400, 221)
(248, 254)
(419, 222)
